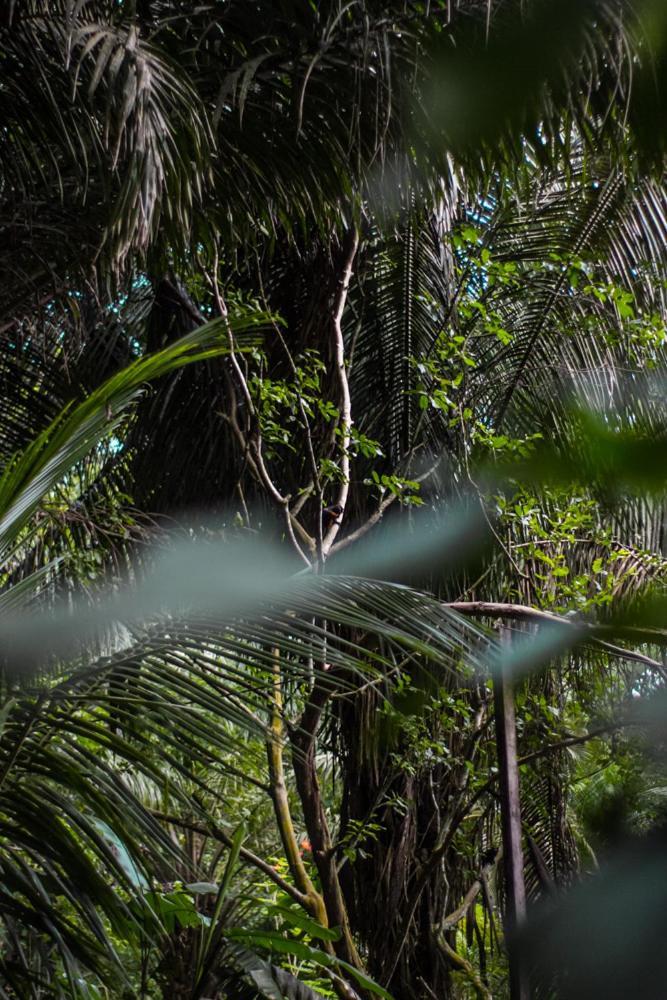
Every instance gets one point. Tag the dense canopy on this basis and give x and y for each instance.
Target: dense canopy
(332, 499)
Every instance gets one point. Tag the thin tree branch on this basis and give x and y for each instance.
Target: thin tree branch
(252, 444)
(214, 831)
(459, 913)
(569, 741)
(349, 252)
(523, 612)
(453, 918)
(572, 741)
(314, 471)
(363, 529)
(377, 515)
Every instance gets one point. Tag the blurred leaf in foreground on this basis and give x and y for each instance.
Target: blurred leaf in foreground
(604, 938)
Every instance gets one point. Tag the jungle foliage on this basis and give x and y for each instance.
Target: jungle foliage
(333, 348)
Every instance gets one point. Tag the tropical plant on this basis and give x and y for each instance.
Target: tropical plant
(447, 220)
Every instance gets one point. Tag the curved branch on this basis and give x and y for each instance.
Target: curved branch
(349, 252)
(523, 612)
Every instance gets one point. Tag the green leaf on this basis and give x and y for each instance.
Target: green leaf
(275, 942)
(302, 922)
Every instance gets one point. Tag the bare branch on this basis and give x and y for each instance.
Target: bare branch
(363, 529)
(523, 612)
(302, 499)
(349, 252)
(453, 918)
(292, 526)
(376, 516)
